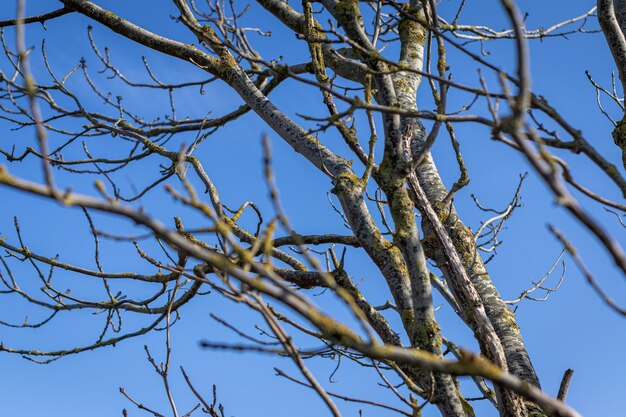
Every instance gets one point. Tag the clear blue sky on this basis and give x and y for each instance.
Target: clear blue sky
(572, 330)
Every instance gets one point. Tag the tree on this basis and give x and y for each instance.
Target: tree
(353, 72)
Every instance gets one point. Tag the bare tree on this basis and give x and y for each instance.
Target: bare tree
(366, 135)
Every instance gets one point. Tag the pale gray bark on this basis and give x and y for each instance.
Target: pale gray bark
(612, 18)
(509, 404)
(406, 85)
(620, 13)
(611, 21)
(501, 316)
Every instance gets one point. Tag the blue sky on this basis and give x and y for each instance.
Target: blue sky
(571, 330)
